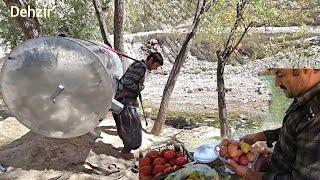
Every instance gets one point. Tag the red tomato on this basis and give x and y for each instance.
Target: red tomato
(168, 170)
(169, 155)
(145, 177)
(159, 161)
(167, 165)
(179, 154)
(180, 161)
(158, 169)
(157, 176)
(163, 151)
(146, 170)
(144, 161)
(153, 154)
(172, 162)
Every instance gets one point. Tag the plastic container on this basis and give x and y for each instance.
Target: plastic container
(205, 154)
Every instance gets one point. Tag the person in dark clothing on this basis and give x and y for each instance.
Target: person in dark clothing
(296, 154)
(131, 84)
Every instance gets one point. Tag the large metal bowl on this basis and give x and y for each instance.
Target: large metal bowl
(58, 87)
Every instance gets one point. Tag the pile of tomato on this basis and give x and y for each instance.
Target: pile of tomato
(157, 164)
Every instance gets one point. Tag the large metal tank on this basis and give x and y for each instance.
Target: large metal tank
(60, 87)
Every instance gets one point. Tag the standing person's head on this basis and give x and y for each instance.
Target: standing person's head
(296, 82)
(154, 60)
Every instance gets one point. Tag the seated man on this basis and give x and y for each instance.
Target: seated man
(128, 121)
(297, 150)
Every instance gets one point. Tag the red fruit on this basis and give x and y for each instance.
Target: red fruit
(169, 155)
(251, 156)
(172, 162)
(179, 154)
(243, 160)
(146, 171)
(153, 154)
(159, 161)
(144, 161)
(223, 151)
(180, 161)
(167, 165)
(163, 151)
(145, 177)
(157, 176)
(158, 169)
(168, 170)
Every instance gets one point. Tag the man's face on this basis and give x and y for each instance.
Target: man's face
(152, 65)
(293, 86)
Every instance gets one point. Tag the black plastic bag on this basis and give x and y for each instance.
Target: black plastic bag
(129, 127)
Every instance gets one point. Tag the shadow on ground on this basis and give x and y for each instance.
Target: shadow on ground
(44, 156)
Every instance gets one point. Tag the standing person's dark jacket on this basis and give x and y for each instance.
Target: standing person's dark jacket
(132, 81)
(297, 151)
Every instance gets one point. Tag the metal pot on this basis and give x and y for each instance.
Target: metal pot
(60, 87)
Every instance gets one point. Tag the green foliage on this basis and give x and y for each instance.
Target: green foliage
(147, 15)
(301, 32)
(76, 18)
(208, 118)
(10, 32)
(266, 13)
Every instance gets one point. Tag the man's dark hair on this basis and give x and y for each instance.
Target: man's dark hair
(157, 57)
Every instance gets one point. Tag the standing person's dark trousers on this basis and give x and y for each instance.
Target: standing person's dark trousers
(129, 128)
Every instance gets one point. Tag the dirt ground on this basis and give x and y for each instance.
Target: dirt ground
(31, 156)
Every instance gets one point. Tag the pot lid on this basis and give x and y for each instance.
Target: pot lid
(56, 86)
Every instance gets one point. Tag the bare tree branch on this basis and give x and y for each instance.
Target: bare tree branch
(102, 22)
(242, 36)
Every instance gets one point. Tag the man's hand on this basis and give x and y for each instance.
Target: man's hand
(253, 138)
(243, 171)
(233, 166)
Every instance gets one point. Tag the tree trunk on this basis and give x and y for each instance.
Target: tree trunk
(102, 22)
(118, 24)
(31, 27)
(158, 125)
(223, 57)
(118, 28)
(224, 125)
